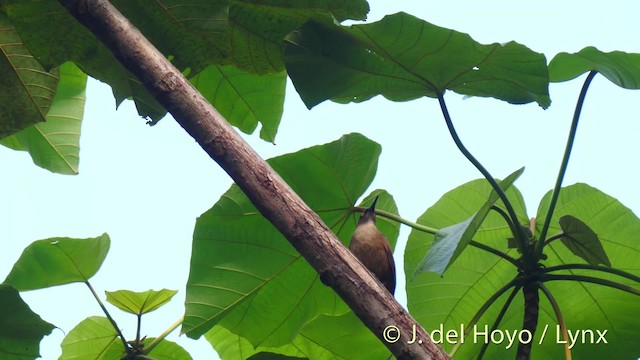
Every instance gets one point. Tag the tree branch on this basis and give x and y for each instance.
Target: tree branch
(368, 299)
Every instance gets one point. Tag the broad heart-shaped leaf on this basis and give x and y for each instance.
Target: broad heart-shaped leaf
(244, 99)
(591, 306)
(139, 303)
(241, 264)
(402, 58)
(325, 337)
(622, 69)
(449, 242)
(58, 261)
(55, 144)
(454, 298)
(582, 241)
(26, 89)
(94, 338)
(21, 330)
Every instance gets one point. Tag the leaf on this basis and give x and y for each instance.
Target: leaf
(403, 58)
(449, 242)
(21, 330)
(454, 298)
(58, 261)
(244, 99)
(55, 144)
(93, 338)
(139, 303)
(622, 69)
(326, 337)
(240, 263)
(582, 241)
(26, 89)
(168, 350)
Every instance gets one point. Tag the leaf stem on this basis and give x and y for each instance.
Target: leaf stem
(565, 162)
(515, 282)
(517, 231)
(593, 280)
(606, 269)
(111, 320)
(147, 349)
(558, 312)
(496, 323)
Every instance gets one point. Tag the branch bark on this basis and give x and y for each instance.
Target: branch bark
(269, 193)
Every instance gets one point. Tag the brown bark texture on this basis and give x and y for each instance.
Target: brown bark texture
(265, 188)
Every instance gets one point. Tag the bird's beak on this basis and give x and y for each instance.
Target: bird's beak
(372, 208)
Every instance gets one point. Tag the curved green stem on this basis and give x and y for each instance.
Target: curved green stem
(147, 349)
(593, 280)
(606, 269)
(554, 238)
(502, 213)
(558, 312)
(497, 252)
(515, 282)
(565, 162)
(111, 320)
(496, 323)
(517, 231)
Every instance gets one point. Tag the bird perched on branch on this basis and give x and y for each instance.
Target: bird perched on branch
(371, 247)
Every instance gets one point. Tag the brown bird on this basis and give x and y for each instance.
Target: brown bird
(370, 246)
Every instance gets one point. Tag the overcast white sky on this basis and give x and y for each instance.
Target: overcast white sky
(146, 186)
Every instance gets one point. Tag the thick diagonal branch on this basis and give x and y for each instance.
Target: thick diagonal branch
(269, 193)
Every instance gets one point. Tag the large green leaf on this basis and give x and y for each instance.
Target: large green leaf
(168, 350)
(194, 34)
(449, 242)
(58, 261)
(326, 337)
(402, 58)
(590, 306)
(26, 89)
(54, 37)
(139, 302)
(454, 298)
(622, 69)
(244, 99)
(20, 328)
(55, 144)
(582, 241)
(241, 263)
(94, 338)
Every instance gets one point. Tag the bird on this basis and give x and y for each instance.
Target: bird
(371, 247)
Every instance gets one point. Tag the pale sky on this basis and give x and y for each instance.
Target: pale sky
(146, 186)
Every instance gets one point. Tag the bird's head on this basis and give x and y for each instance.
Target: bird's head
(369, 214)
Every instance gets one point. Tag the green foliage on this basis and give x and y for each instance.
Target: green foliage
(94, 338)
(26, 89)
(622, 69)
(58, 261)
(324, 338)
(240, 262)
(244, 98)
(139, 303)
(20, 328)
(55, 144)
(402, 58)
(582, 241)
(449, 242)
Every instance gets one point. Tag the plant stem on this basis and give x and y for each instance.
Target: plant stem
(157, 340)
(515, 282)
(517, 231)
(431, 230)
(593, 280)
(565, 162)
(111, 320)
(558, 312)
(496, 323)
(606, 269)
